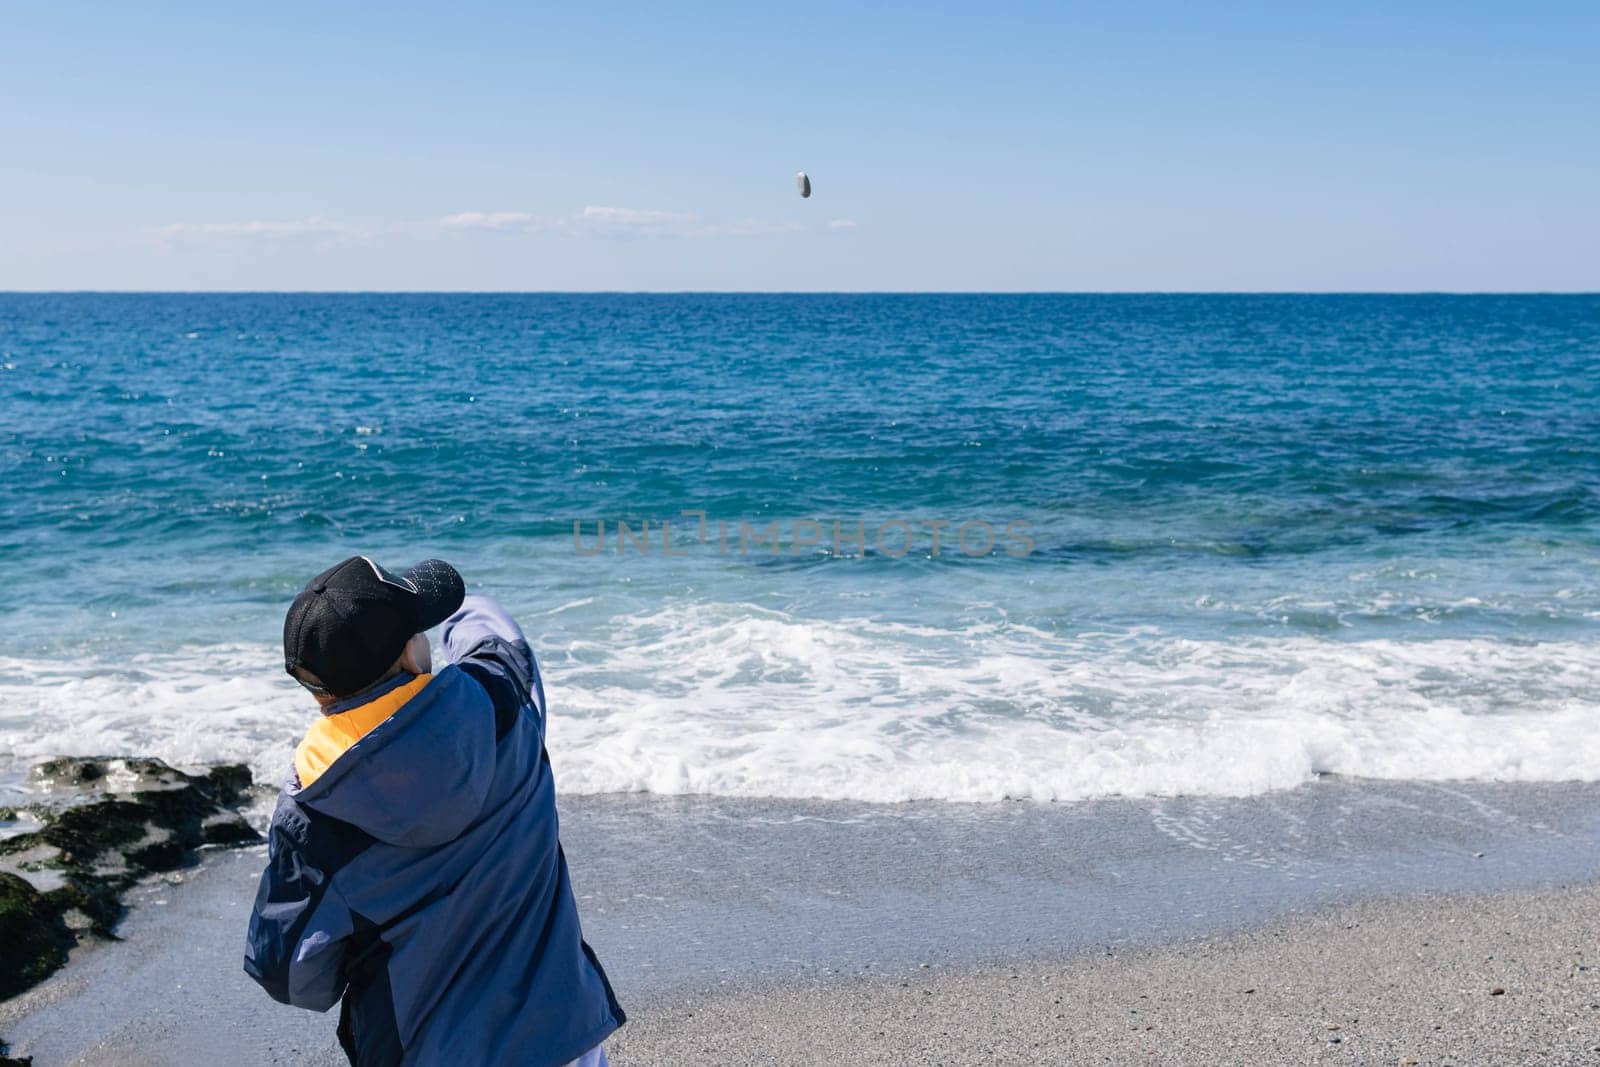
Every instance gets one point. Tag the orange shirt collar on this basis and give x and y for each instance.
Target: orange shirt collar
(332, 735)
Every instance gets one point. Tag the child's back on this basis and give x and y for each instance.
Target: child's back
(416, 869)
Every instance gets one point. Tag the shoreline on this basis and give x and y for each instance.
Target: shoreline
(686, 899)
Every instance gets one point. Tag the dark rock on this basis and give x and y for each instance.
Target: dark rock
(228, 829)
(102, 824)
(160, 855)
(94, 898)
(232, 781)
(82, 833)
(70, 769)
(33, 940)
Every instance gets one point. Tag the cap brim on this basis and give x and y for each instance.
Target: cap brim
(440, 591)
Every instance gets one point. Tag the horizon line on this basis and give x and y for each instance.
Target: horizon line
(800, 292)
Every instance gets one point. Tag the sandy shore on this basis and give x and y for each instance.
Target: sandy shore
(781, 932)
(1412, 981)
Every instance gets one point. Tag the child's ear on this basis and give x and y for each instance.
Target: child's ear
(417, 656)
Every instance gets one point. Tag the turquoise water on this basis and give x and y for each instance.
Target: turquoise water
(1237, 540)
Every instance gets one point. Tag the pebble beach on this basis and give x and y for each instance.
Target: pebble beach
(1510, 978)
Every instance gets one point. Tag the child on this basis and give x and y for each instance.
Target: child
(414, 868)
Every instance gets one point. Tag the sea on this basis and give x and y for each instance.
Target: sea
(873, 548)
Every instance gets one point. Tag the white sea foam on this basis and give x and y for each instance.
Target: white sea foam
(733, 700)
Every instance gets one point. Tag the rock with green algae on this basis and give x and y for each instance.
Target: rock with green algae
(98, 825)
(33, 940)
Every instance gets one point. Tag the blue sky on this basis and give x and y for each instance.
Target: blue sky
(988, 147)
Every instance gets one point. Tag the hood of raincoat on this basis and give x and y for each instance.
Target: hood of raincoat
(420, 777)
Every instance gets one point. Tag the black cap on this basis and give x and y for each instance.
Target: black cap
(352, 621)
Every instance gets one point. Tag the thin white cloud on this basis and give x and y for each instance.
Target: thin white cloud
(307, 227)
(841, 224)
(627, 216)
(745, 228)
(489, 220)
(593, 221)
(634, 222)
(600, 221)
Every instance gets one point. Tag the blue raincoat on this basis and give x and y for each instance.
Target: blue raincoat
(415, 872)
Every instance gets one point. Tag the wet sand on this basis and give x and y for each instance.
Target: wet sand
(787, 929)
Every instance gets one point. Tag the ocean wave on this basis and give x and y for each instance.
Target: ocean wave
(730, 699)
